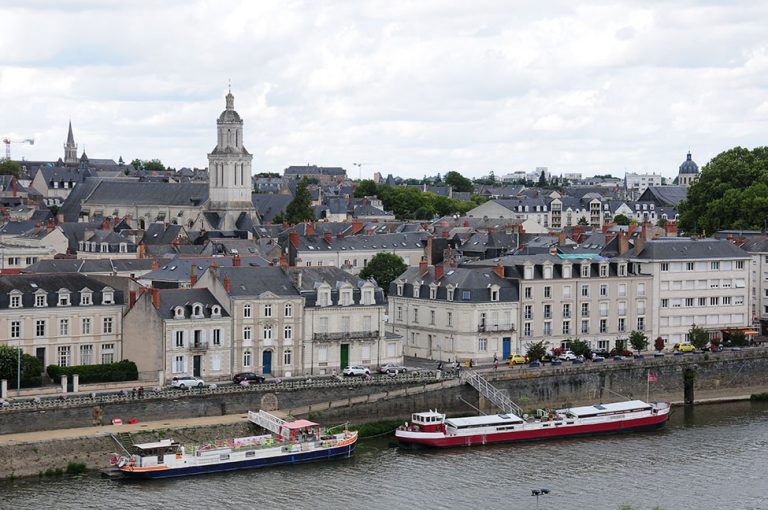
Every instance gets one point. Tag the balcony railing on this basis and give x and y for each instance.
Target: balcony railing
(489, 328)
(198, 346)
(345, 335)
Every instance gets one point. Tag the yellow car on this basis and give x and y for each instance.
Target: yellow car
(517, 359)
(684, 347)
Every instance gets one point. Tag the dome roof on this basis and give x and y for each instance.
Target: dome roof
(229, 116)
(689, 166)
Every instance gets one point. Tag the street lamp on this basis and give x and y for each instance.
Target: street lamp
(18, 370)
(537, 493)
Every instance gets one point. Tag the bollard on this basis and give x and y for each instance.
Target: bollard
(75, 383)
(64, 384)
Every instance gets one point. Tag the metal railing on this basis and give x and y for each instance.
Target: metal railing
(493, 394)
(345, 335)
(495, 327)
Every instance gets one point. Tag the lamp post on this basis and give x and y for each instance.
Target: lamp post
(537, 493)
(18, 370)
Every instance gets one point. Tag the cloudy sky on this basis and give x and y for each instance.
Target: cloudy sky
(404, 87)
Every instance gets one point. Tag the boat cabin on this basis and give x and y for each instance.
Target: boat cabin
(154, 454)
(630, 406)
(491, 423)
(300, 431)
(430, 421)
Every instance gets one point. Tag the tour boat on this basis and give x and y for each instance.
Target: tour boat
(292, 442)
(432, 429)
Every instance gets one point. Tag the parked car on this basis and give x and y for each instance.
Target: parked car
(683, 347)
(600, 352)
(568, 356)
(517, 359)
(393, 368)
(356, 370)
(187, 381)
(248, 376)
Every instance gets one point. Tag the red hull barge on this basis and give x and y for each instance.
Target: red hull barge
(432, 429)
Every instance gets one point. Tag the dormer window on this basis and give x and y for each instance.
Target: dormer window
(86, 297)
(566, 270)
(585, 270)
(104, 247)
(107, 296)
(40, 298)
(547, 271)
(345, 297)
(178, 312)
(197, 310)
(622, 269)
(399, 288)
(64, 298)
(450, 291)
(603, 270)
(495, 291)
(123, 248)
(216, 311)
(367, 296)
(416, 289)
(15, 299)
(324, 296)
(528, 272)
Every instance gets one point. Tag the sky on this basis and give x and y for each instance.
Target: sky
(411, 88)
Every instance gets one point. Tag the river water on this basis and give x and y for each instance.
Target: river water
(709, 457)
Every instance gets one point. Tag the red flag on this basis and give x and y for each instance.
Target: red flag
(651, 377)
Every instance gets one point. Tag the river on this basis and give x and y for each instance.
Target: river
(709, 457)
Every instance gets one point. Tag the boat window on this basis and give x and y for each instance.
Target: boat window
(224, 456)
(250, 454)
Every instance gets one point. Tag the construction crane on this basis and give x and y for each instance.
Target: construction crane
(8, 142)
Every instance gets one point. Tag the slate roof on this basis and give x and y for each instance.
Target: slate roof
(268, 206)
(89, 266)
(689, 166)
(161, 233)
(51, 283)
(683, 248)
(122, 192)
(72, 205)
(369, 210)
(312, 277)
(64, 174)
(664, 195)
(186, 298)
(317, 243)
(254, 281)
(756, 244)
(476, 281)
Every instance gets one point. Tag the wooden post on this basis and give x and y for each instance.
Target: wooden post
(689, 376)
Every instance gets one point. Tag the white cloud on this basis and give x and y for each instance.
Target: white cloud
(413, 88)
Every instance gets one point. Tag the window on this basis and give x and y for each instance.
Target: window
(450, 293)
(567, 292)
(689, 302)
(322, 325)
(64, 327)
(585, 291)
(528, 292)
(566, 311)
(86, 326)
(399, 313)
(86, 354)
(86, 298)
(702, 301)
(287, 358)
(247, 334)
(15, 329)
(178, 364)
(527, 329)
(603, 325)
(267, 310)
(494, 294)
(585, 270)
(466, 295)
(726, 300)
(322, 354)
(416, 290)
(107, 354)
(585, 326)
(603, 289)
(547, 328)
(622, 290)
(432, 292)
(622, 324)
(107, 296)
(665, 266)
(65, 354)
(585, 309)
(247, 311)
(179, 338)
(528, 312)
(288, 310)
(216, 336)
(367, 324)
(603, 270)
(715, 265)
(689, 266)
(40, 328)
(450, 319)
(547, 292)
(739, 264)
(566, 327)
(267, 334)
(714, 301)
(415, 315)
(432, 317)
(247, 359)
(40, 300)
(64, 298)
(641, 289)
(400, 289)
(15, 301)
(482, 344)
(547, 311)
(641, 323)
(665, 303)
(288, 334)
(197, 311)
(107, 325)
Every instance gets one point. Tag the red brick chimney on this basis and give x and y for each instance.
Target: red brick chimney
(357, 226)
(283, 261)
(106, 225)
(235, 260)
(328, 236)
(193, 276)
(155, 297)
(13, 186)
(561, 238)
(445, 233)
(439, 270)
(623, 243)
(51, 224)
(671, 229)
(131, 299)
(310, 228)
(340, 235)
(499, 270)
(466, 223)
(155, 265)
(370, 232)
(423, 266)
(294, 237)
(577, 230)
(227, 283)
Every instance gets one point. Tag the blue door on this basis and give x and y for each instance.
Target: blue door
(266, 362)
(506, 347)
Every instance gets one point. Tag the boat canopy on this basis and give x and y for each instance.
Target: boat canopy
(300, 424)
(165, 443)
(599, 409)
(483, 421)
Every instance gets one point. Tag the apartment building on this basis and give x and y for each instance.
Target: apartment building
(62, 319)
(448, 313)
(702, 282)
(757, 248)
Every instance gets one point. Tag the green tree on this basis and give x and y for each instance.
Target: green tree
(583, 221)
(731, 192)
(300, 208)
(621, 346)
(384, 267)
(638, 340)
(542, 180)
(154, 165)
(137, 164)
(698, 337)
(278, 218)
(535, 350)
(458, 181)
(366, 188)
(8, 167)
(621, 219)
(31, 367)
(738, 339)
(578, 347)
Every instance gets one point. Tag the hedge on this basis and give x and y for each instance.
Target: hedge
(113, 372)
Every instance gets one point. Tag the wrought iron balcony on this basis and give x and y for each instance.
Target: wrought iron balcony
(490, 328)
(198, 346)
(345, 335)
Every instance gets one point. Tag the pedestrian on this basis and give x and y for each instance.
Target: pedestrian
(133, 392)
(495, 364)
(495, 358)
(470, 362)
(141, 391)
(440, 366)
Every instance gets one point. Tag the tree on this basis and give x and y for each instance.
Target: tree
(535, 350)
(8, 167)
(278, 219)
(658, 344)
(621, 219)
(300, 208)
(737, 339)
(578, 347)
(542, 180)
(137, 164)
(384, 267)
(31, 367)
(731, 192)
(621, 347)
(661, 223)
(366, 188)
(698, 337)
(154, 165)
(638, 340)
(458, 182)
(583, 221)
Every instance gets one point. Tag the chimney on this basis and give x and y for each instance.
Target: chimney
(632, 227)
(340, 235)
(439, 269)
(193, 276)
(235, 260)
(310, 228)
(729, 237)
(227, 283)
(445, 233)
(132, 299)
(553, 250)
(142, 248)
(561, 238)
(294, 237)
(155, 297)
(370, 232)
(155, 265)
(423, 266)
(51, 224)
(499, 270)
(283, 261)
(328, 236)
(357, 226)
(577, 230)
(60, 217)
(490, 230)
(639, 243)
(623, 243)
(466, 223)
(606, 227)
(116, 221)
(13, 186)
(105, 225)
(671, 229)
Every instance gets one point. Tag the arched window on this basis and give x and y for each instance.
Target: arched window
(287, 357)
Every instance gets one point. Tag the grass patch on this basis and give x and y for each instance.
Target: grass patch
(759, 396)
(51, 472)
(76, 468)
(376, 428)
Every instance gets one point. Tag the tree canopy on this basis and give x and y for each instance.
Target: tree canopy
(638, 340)
(731, 192)
(412, 204)
(8, 167)
(384, 268)
(300, 208)
(621, 219)
(31, 367)
(150, 165)
(698, 337)
(578, 347)
(535, 350)
(458, 182)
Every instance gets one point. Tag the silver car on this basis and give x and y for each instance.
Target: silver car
(187, 381)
